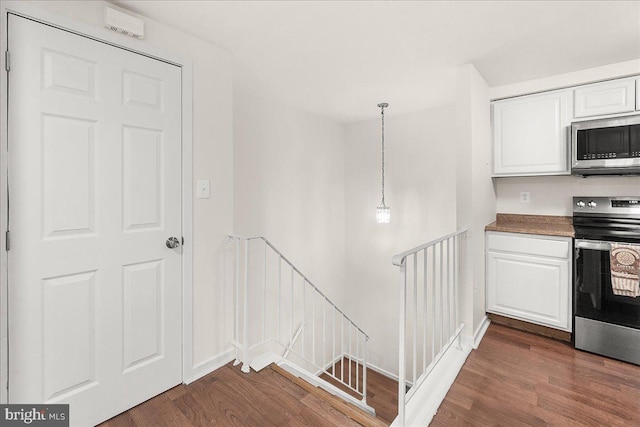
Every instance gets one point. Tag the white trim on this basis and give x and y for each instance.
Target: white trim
(4, 104)
(187, 221)
(424, 404)
(135, 46)
(210, 365)
(474, 341)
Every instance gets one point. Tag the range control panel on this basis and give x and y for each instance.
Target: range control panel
(619, 205)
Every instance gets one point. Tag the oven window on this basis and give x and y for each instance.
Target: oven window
(604, 143)
(593, 296)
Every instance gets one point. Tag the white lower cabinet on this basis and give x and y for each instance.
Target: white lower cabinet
(529, 278)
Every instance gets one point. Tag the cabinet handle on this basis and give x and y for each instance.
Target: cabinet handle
(594, 245)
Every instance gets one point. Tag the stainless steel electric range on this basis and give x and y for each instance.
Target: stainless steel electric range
(606, 300)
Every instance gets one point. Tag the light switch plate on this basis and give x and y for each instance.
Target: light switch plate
(202, 186)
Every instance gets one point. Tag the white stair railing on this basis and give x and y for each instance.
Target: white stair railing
(428, 309)
(277, 308)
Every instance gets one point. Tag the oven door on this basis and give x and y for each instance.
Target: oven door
(593, 295)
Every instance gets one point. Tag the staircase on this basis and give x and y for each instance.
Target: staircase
(284, 322)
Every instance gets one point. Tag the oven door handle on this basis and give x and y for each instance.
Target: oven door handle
(593, 244)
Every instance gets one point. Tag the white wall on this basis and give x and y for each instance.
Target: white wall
(213, 160)
(552, 195)
(289, 187)
(476, 199)
(420, 189)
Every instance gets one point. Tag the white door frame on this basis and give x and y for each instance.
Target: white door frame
(140, 47)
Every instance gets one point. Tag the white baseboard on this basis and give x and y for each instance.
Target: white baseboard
(210, 365)
(424, 404)
(474, 341)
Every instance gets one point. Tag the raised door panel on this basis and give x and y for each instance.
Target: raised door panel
(612, 97)
(143, 295)
(69, 336)
(530, 135)
(143, 178)
(69, 169)
(529, 288)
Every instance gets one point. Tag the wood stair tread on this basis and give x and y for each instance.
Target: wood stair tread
(346, 408)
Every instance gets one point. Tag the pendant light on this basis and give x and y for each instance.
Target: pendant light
(383, 213)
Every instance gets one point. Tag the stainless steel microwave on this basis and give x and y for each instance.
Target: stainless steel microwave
(606, 146)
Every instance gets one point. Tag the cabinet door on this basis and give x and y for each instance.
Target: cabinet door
(530, 134)
(599, 99)
(637, 94)
(530, 288)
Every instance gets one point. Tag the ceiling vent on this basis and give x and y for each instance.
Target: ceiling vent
(123, 23)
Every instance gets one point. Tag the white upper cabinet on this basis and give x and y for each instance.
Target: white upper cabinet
(530, 134)
(599, 99)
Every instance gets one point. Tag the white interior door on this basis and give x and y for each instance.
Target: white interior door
(94, 181)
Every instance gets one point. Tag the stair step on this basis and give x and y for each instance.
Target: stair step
(346, 408)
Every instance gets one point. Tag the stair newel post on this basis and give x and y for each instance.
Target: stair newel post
(245, 323)
(402, 386)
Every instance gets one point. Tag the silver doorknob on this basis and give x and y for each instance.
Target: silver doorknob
(172, 242)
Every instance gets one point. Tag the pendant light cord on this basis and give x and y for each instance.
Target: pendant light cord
(382, 113)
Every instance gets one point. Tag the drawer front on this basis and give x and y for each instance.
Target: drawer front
(556, 247)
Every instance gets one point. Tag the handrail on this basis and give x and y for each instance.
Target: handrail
(285, 259)
(399, 259)
(442, 297)
(248, 283)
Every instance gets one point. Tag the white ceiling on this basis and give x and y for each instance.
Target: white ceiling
(340, 58)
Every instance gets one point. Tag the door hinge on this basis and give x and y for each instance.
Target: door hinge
(7, 61)
(7, 237)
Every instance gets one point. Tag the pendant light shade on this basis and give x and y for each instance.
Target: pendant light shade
(383, 213)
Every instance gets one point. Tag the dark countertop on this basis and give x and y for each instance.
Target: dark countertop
(533, 224)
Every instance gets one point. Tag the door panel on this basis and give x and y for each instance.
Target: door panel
(69, 333)
(68, 168)
(143, 289)
(142, 176)
(95, 176)
(69, 74)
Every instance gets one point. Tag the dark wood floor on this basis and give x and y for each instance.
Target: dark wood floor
(228, 397)
(516, 378)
